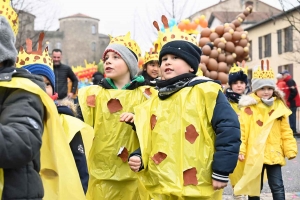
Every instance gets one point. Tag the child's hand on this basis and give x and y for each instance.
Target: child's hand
(135, 163)
(217, 185)
(127, 117)
(241, 157)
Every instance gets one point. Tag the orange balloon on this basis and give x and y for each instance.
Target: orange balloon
(203, 23)
(181, 26)
(193, 25)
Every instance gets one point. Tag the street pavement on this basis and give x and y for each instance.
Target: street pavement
(291, 180)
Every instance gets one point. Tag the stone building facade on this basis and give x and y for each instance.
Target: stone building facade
(77, 37)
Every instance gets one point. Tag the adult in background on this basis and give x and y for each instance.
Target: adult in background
(62, 73)
(281, 85)
(293, 99)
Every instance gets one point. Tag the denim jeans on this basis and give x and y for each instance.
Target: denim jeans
(292, 119)
(275, 182)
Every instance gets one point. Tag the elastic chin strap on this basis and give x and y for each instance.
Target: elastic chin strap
(54, 97)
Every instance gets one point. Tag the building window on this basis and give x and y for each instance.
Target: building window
(264, 45)
(279, 41)
(288, 39)
(288, 67)
(93, 46)
(58, 45)
(93, 29)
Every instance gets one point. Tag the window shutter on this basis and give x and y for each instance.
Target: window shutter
(290, 39)
(260, 47)
(269, 47)
(279, 41)
(290, 69)
(279, 69)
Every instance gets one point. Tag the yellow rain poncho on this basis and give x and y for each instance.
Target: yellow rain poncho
(110, 175)
(58, 170)
(177, 144)
(266, 139)
(72, 125)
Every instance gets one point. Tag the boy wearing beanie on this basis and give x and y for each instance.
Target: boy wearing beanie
(21, 124)
(237, 81)
(106, 107)
(189, 135)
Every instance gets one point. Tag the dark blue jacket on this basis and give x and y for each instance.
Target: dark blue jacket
(78, 151)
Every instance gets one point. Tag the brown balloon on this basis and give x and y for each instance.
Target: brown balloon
(213, 36)
(216, 42)
(222, 67)
(203, 41)
(229, 59)
(206, 50)
(239, 29)
(227, 36)
(232, 25)
(223, 77)
(207, 74)
(242, 15)
(236, 22)
(214, 54)
(213, 75)
(236, 36)
(204, 59)
(239, 51)
(221, 45)
(229, 46)
(212, 65)
(202, 67)
(205, 32)
(243, 42)
(221, 57)
(227, 29)
(219, 29)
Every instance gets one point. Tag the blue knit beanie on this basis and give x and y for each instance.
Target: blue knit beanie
(43, 70)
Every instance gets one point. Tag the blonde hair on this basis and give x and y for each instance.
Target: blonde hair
(69, 103)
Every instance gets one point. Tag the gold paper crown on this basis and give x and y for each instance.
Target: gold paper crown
(261, 73)
(152, 55)
(9, 13)
(127, 42)
(240, 67)
(168, 34)
(34, 57)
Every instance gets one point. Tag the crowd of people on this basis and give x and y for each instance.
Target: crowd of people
(163, 132)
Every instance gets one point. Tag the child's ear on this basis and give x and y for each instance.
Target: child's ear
(191, 70)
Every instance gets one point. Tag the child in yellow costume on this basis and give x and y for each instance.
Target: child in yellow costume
(67, 109)
(105, 107)
(237, 81)
(151, 67)
(266, 136)
(189, 134)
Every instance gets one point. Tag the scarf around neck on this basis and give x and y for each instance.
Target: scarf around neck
(167, 88)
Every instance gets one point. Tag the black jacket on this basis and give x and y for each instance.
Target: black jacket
(78, 151)
(62, 73)
(21, 128)
(227, 144)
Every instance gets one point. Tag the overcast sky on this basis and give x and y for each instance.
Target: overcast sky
(120, 16)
